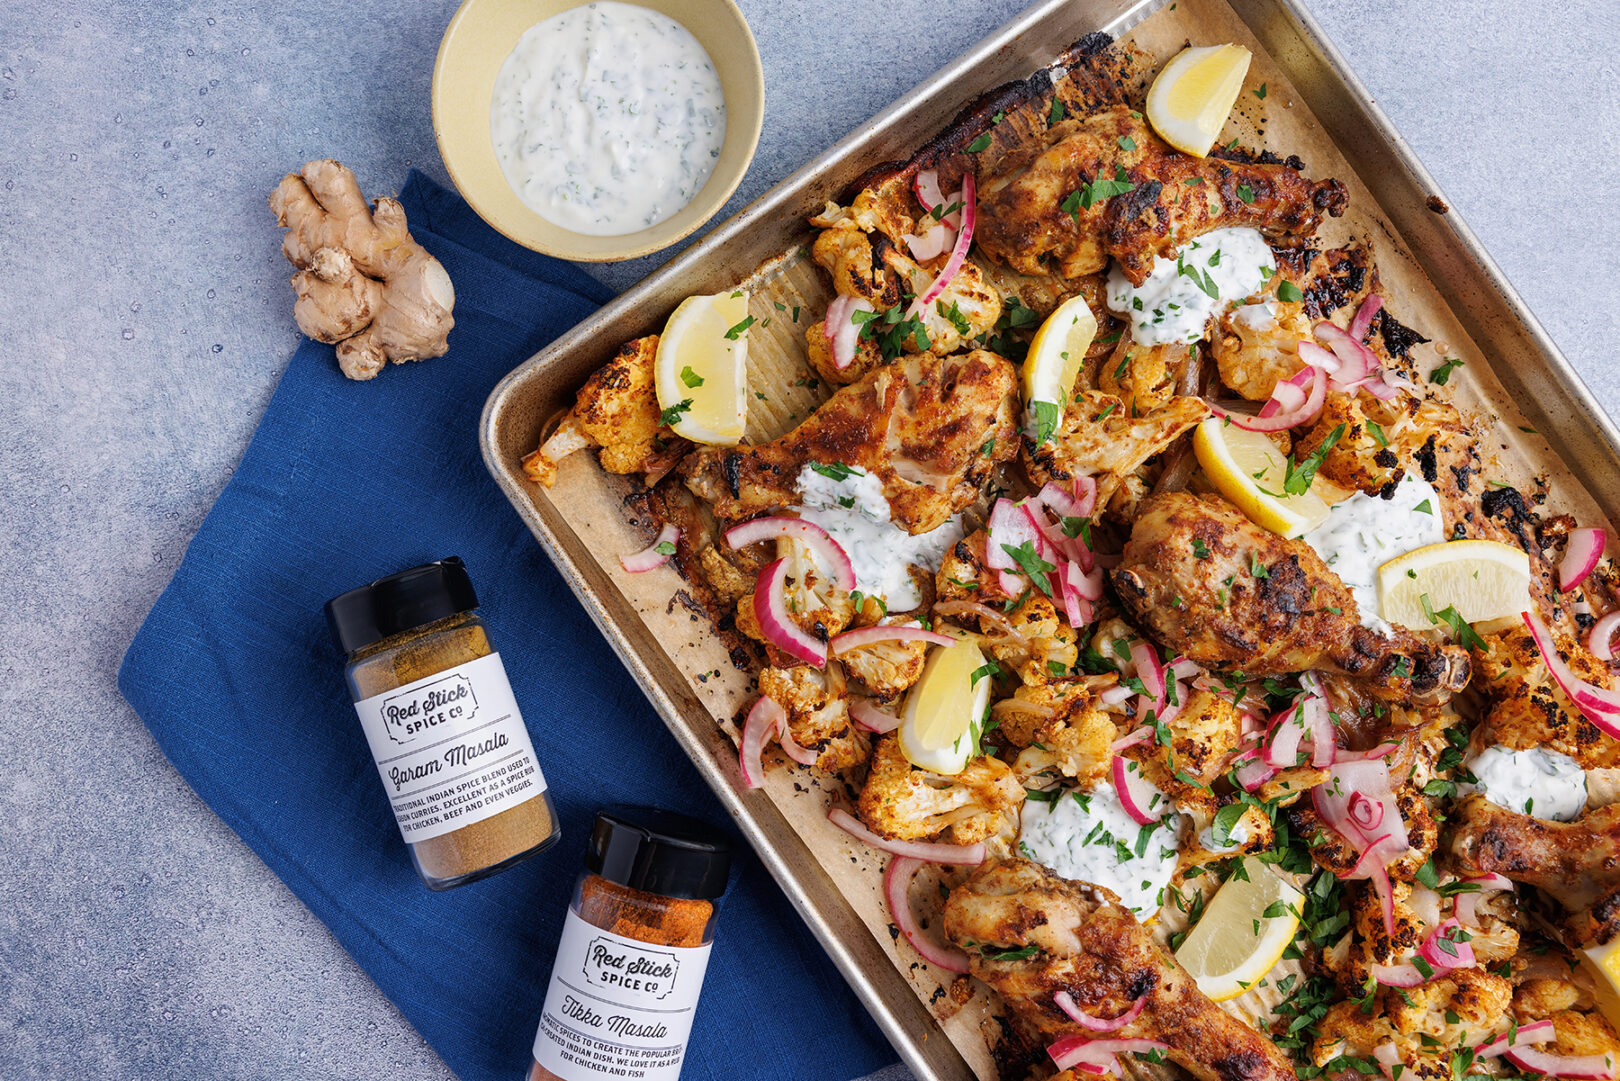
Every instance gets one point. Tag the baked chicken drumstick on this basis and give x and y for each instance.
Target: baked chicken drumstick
(1105, 185)
(1209, 583)
(1088, 945)
(1575, 863)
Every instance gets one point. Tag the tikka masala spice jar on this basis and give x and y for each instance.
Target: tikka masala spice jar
(635, 944)
(444, 729)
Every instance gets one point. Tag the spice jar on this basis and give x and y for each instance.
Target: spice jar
(635, 943)
(437, 710)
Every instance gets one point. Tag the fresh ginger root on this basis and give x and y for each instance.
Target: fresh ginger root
(362, 284)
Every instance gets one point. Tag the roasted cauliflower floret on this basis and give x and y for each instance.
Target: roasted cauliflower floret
(1062, 733)
(886, 670)
(1033, 706)
(1462, 1008)
(1100, 437)
(1143, 377)
(963, 575)
(1527, 708)
(1203, 735)
(1043, 647)
(818, 713)
(1334, 853)
(813, 602)
(1466, 1007)
(1255, 345)
(1580, 1028)
(877, 269)
(905, 803)
(617, 410)
(1371, 943)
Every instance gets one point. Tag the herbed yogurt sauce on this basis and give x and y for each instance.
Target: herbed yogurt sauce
(1365, 531)
(1537, 782)
(1207, 276)
(849, 504)
(607, 118)
(1089, 837)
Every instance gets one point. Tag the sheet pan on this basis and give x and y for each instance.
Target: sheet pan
(1438, 279)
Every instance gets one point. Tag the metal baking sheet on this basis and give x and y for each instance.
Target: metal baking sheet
(1520, 372)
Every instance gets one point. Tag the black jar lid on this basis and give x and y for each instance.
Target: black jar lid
(659, 852)
(400, 602)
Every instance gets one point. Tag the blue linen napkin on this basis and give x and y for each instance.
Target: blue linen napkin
(234, 673)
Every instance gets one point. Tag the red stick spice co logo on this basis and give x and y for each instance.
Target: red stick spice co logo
(447, 701)
(621, 966)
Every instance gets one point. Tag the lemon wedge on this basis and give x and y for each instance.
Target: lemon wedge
(1248, 469)
(1481, 579)
(1053, 364)
(1236, 943)
(1191, 97)
(1602, 963)
(945, 711)
(701, 368)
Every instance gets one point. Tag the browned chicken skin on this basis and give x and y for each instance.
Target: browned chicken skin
(1575, 863)
(930, 428)
(1092, 947)
(1173, 197)
(1262, 604)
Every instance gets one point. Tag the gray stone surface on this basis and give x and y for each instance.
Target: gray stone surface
(146, 319)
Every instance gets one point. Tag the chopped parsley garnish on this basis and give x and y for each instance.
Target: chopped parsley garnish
(1450, 617)
(664, 548)
(1200, 549)
(982, 143)
(669, 416)
(1441, 375)
(1288, 292)
(1299, 478)
(1199, 278)
(989, 668)
(991, 954)
(1378, 433)
(1424, 508)
(691, 378)
(1032, 564)
(1056, 115)
(1071, 206)
(1245, 193)
(1226, 819)
(740, 329)
(1261, 93)
(1126, 142)
(891, 329)
(954, 316)
(836, 470)
(1099, 189)
(1047, 415)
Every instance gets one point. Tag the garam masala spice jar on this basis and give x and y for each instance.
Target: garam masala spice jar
(444, 729)
(635, 944)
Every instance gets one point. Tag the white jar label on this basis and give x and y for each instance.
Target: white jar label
(618, 1007)
(451, 748)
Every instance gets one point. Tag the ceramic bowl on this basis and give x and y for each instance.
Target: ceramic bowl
(478, 40)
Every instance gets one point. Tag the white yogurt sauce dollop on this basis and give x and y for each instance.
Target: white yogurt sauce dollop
(1175, 303)
(1536, 782)
(854, 510)
(1089, 837)
(1365, 531)
(607, 118)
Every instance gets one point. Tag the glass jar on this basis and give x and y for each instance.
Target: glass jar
(446, 734)
(635, 944)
